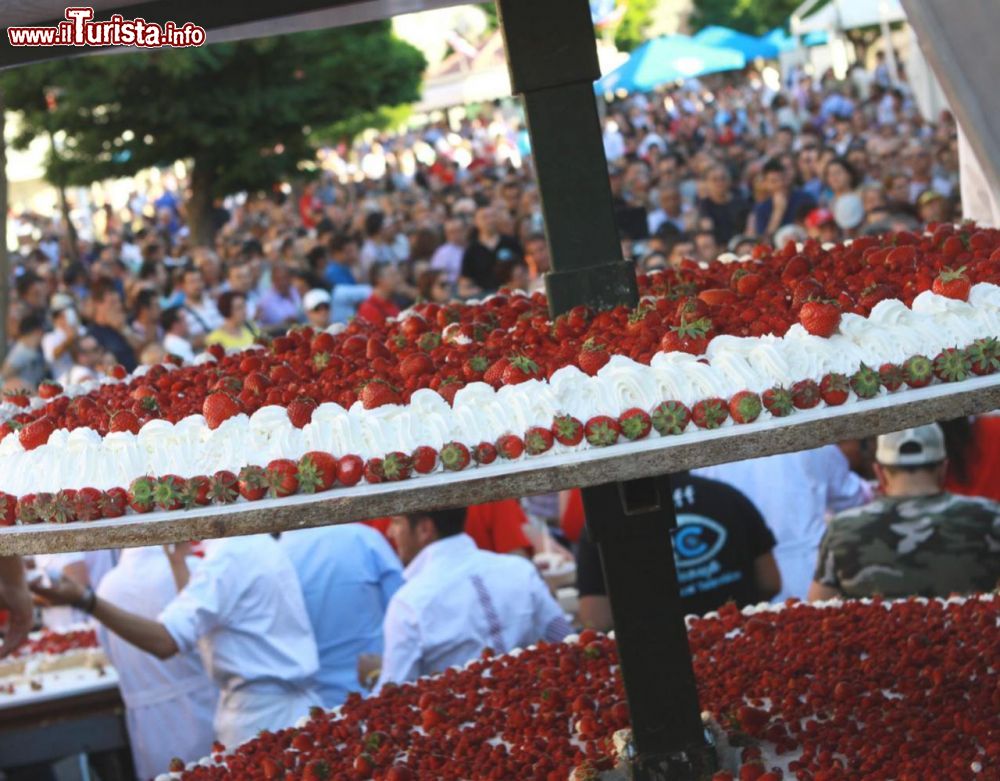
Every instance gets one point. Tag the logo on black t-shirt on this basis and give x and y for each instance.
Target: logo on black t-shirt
(698, 543)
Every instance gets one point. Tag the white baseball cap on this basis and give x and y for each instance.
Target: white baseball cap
(314, 298)
(912, 447)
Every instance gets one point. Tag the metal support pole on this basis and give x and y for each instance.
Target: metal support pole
(552, 57)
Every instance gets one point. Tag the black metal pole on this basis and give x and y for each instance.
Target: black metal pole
(552, 57)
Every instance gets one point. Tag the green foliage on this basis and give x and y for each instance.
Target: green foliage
(633, 28)
(240, 111)
(755, 17)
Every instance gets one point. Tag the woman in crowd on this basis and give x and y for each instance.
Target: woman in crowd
(235, 333)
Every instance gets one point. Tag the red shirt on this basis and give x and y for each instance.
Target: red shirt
(573, 519)
(376, 310)
(498, 526)
(982, 461)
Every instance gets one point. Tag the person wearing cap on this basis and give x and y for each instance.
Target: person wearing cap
(821, 225)
(933, 207)
(916, 539)
(317, 305)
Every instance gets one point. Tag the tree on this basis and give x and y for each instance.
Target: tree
(755, 17)
(240, 113)
(632, 30)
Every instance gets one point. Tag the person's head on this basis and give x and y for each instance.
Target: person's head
(193, 284)
(536, 254)
(774, 177)
(933, 207)
(233, 307)
(912, 462)
(240, 277)
(106, 303)
(784, 138)
(897, 188)
(343, 249)
(152, 354)
(30, 329)
(706, 248)
(31, 289)
(413, 533)
(486, 221)
(455, 232)
(147, 306)
(207, 262)
(384, 279)
(669, 198)
(374, 222)
(653, 261)
(741, 245)
(718, 183)
(433, 286)
(873, 197)
(281, 278)
(510, 193)
(316, 259)
(87, 352)
(677, 248)
(840, 176)
(820, 224)
(806, 161)
(317, 305)
(919, 161)
(172, 321)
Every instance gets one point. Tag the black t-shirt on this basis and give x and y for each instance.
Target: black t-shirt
(720, 533)
(115, 343)
(479, 263)
(728, 219)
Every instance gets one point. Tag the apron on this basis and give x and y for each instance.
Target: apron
(264, 705)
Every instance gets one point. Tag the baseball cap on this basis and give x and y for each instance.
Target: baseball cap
(819, 217)
(849, 211)
(912, 447)
(927, 196)
(314, 298)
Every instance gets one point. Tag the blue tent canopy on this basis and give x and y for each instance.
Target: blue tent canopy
(665, 59)
(785, 42)
(752, 48)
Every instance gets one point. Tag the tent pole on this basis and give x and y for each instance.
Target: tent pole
(553, 64)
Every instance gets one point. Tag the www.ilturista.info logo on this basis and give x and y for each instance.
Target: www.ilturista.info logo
(79, 29)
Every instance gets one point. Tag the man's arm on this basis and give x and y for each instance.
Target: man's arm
(177, 556)
(14, 596)
(766, 575)
(595, 613)
(819, 592)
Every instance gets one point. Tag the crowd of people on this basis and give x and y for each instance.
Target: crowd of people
(251, 632)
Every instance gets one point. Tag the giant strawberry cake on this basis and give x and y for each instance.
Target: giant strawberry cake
(735, 342)
(842, 690)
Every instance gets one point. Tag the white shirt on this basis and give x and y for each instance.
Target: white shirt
(348, 574)
(448, 258)
(51, 342)
(179, 346)
(459, 600)
(203, 317)
(244, 607)
(158, 695)
(795, 492)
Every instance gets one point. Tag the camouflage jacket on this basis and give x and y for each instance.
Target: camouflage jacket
(922, 546)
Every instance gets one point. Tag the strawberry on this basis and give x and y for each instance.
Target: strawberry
(592, 357)
(805, 394)
(484, 453)
(36, 433)
(746, 283)
(717, 297)
(395, 466)
(670, 417)
(804, 290)
(377, 393)
(984, 355)
(602, 431)
(865, 382)
(455, 456)
(317, 770)
(257, 383)
(690, 337)
(745, 407)
(635, 423)
(777, 401)
(124, 420)
(140, 494)
(61, 507)
(168, 492)
(300, 411)
(691, 308)
(252, 483)
(282, 477)
(223, 488)
(834, 389)
(119, 372)
(474, 368)
(952, 284)
(8, 509)
(349, 470)
(424, 459)
(710, 413)
(567, 430)
(176, 765)
(113, 502)
(820, 318)
(28, 510)
(918, 371)
(951, 365)
(520, 369)
(219, 407)
(317, 471)
(18, 397)
(217, 351)
(415, 365)
(510, 446)
(47, 389)
(494, 374)
(891, 376)
(196, 492)
(429, 341)
(537, 440)
(797, 266)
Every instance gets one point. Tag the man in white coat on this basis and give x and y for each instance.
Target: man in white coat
(243, 609)
(158, 695)
(459, 600)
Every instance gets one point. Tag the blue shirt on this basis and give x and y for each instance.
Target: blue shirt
(762, 211)
(347, 574)
(338, 275)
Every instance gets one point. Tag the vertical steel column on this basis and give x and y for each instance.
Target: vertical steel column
(552, 58)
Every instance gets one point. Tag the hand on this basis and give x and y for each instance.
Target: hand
(64, 591)
(178, 553)
(369, 669)
(15, 596)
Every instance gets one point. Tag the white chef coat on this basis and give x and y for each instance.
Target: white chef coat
(459, 600)
(159, 695)
(348, 574)
(795, 492)
(243, 607)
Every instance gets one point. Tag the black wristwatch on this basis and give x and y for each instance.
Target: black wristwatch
(87, 602)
